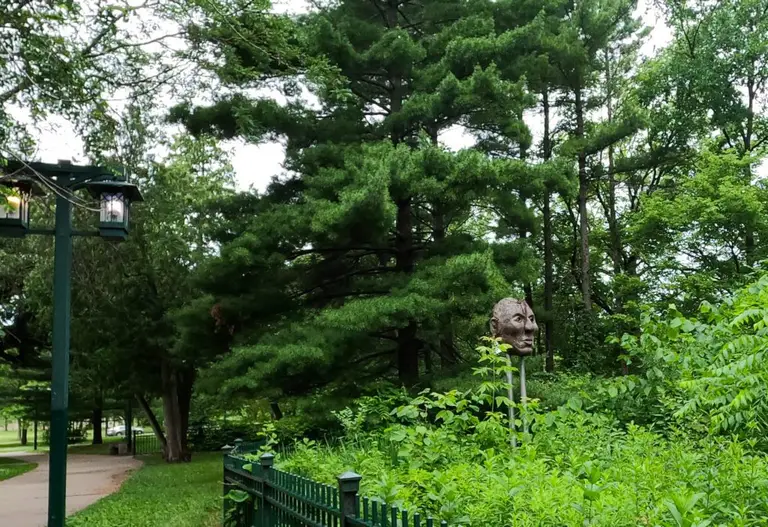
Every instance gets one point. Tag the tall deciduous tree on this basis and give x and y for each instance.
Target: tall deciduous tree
(67, 58)
(577, 48)
(127, 296)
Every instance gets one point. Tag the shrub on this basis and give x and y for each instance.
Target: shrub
(210, 437)
(709, 372)
(449, 455)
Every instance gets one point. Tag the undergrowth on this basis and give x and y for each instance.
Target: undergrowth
(449, 455)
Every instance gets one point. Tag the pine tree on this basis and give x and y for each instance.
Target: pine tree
(362, 259)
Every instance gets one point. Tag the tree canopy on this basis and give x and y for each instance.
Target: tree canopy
(599, 180)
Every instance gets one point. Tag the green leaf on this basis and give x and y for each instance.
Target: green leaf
(575, 403)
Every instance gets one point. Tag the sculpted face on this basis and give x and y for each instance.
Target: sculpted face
(514, 321)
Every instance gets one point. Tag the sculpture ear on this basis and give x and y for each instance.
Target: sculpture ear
(494, 326)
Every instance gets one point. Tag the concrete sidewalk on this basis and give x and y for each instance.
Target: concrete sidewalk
(24, 499)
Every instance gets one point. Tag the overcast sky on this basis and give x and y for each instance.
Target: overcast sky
(255, 165)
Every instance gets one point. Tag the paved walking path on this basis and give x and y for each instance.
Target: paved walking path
(24, 499)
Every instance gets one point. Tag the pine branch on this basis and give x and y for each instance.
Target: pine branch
(381, 12)
(348, 248)
(344, 276)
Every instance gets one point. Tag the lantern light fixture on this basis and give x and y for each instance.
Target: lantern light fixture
(115, 199)
(115, 195)
(14, 207)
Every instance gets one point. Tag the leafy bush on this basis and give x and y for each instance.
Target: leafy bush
(709, 372)
(211, 437)
(74, 436)
(449, 455)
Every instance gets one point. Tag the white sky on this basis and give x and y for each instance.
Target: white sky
(256, 164)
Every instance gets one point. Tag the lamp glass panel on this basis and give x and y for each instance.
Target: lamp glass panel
(11, 207)
(112, 208)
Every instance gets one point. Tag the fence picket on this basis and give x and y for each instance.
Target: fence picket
(280, 499)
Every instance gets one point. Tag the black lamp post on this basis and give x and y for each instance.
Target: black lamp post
(116, 196)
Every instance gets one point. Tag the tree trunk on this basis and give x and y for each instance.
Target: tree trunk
(586, 284)
(177, 393)
(749, 238)
(129, 424)
(446, 347)
(274, 408)
(153, 422)
(613, 223)
(750, 246)
(24, 435)
(448, 356)
(407, 342)
(527, 287)
(408, 355)
(548, 257)
(186, 383)
(96, 422)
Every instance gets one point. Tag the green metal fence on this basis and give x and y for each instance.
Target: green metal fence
(258, 495)
(144, 444)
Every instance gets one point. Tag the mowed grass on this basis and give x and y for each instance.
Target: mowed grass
(162, 495)
(9, 442)
(10, 467)
(88, 448)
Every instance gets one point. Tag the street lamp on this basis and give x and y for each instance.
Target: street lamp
(115, 198)
(116, 195)
(14, 207)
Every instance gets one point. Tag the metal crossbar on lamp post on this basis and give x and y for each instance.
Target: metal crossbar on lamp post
(116, 196)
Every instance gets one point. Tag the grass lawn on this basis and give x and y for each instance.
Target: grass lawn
(88, 448)
(162, 495)
(9, 442)
(10, 467)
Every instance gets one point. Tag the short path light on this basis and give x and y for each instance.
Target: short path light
(14, 208)
(116, 198)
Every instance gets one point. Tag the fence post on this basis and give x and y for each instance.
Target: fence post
(267, 461)
(349, 486)
(225, 506)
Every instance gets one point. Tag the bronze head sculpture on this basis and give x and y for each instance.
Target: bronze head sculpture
(513, 320)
